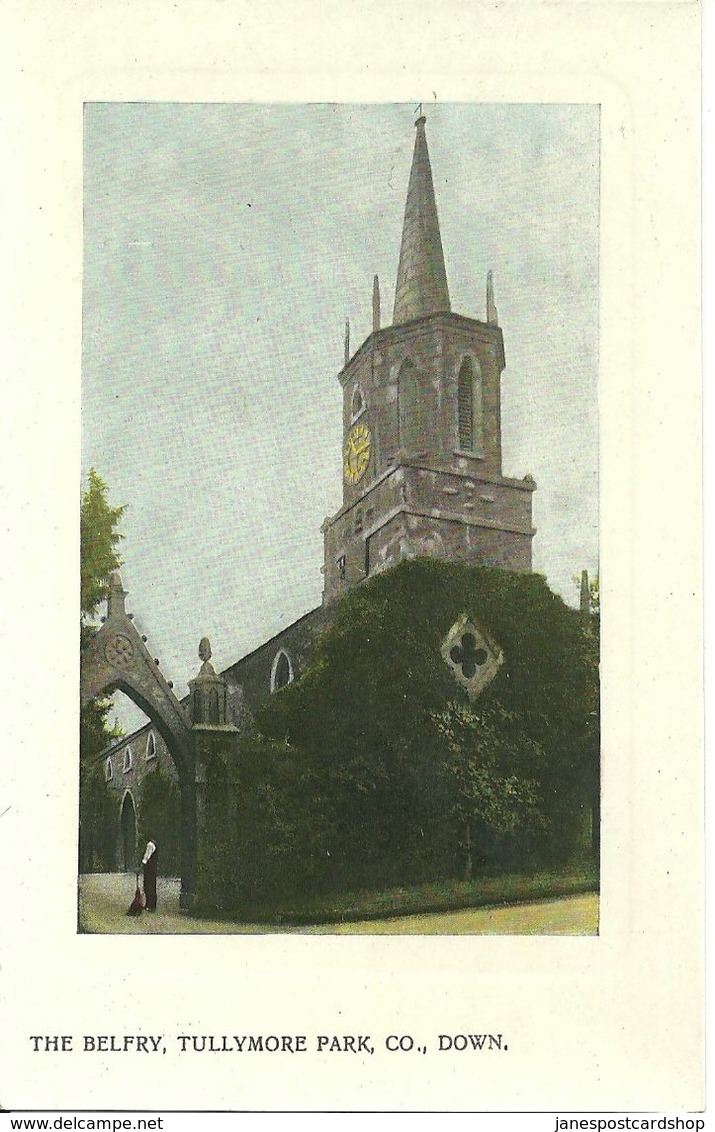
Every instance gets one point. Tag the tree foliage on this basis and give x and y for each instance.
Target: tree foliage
(99, 538)
(99, 541)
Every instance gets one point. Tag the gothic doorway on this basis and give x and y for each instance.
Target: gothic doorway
(128, 824)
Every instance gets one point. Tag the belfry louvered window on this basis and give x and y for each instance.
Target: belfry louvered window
(469, 407)
(465, 407)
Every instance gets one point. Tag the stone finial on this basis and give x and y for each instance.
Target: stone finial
(207, 668)
(492, 312)
(376, 304)
(585, 602)
(116, 598)
(347, 340)
(207, 692)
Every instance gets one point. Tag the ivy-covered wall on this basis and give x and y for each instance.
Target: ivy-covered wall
(160, 820)
(376, 769)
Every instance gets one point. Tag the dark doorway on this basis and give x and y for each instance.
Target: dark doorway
(129, 834)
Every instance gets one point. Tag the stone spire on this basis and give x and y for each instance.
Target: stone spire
(421, 277)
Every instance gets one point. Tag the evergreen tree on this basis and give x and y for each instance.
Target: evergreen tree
(98, 558)
(99, 539)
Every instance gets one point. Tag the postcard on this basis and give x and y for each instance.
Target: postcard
(364, 404)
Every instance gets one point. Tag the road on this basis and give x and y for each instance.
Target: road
(105, 897)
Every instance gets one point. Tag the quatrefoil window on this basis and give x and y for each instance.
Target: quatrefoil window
(468, 656)
(473, 657)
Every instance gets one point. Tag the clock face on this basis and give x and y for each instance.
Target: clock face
(357, 453)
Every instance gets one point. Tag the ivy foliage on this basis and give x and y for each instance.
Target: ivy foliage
(403, 756)
(98, 806)
(376, 768)
(160, 819)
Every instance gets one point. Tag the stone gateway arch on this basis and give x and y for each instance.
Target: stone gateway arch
(196, 734)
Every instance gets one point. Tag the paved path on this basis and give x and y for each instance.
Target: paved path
(105, 897)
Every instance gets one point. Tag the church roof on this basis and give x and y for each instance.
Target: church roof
(421, 276)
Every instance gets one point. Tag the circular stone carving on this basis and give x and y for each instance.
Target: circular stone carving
(119, 651)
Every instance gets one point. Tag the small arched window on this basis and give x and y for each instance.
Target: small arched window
(281, 671)
(150, 747)
(469, 406)
(128, 762)
(357, 403)
(212, 712)
(410, 412)
(108, 771)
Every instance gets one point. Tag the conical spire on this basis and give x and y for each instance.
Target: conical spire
(421, 277)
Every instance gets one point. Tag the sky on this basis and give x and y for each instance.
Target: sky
(224, 247)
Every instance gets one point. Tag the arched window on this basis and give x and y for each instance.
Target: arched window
(212, 712)
(469, 406)
(127, 759)
(108, 770)
(150, 747)
(357, 404)
(282, 671)
(409, 406)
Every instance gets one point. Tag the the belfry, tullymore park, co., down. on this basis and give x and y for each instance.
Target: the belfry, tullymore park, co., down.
(422, 480)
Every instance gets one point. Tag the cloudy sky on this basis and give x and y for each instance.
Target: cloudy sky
(224, 247)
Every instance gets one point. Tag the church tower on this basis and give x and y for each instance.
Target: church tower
(422, 470)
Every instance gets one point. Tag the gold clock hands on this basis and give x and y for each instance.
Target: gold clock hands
(356, 453)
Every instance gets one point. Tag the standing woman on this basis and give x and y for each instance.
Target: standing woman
(149, 863)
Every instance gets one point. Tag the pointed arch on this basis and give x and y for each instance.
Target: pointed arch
(117, 659)
(358, 403)
(469, 406)
(177, 740)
